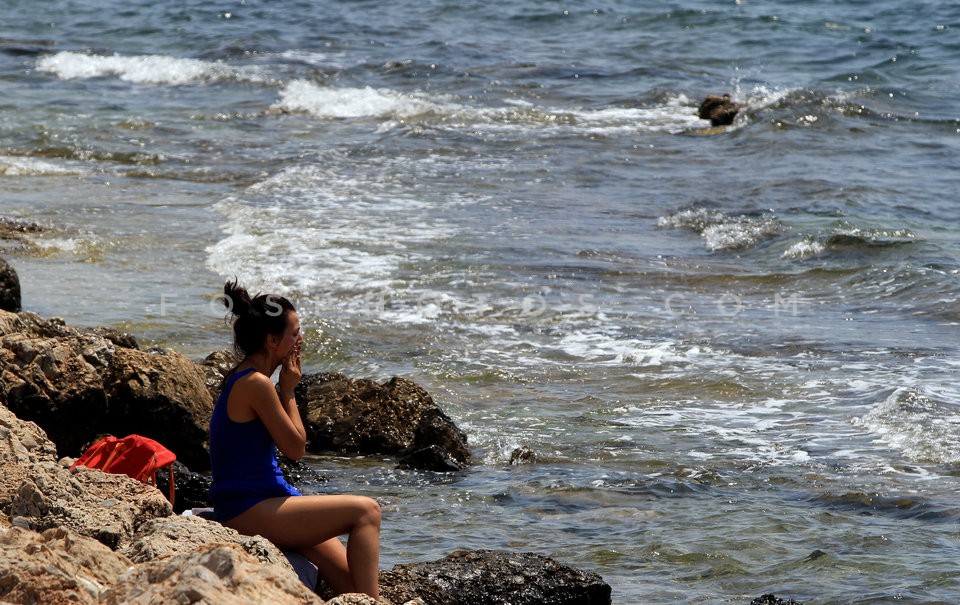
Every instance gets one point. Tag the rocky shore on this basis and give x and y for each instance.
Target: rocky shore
(90, 537)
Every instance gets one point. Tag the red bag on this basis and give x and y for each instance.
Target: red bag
(134, 455)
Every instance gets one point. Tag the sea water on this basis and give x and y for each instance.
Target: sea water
(732, 350)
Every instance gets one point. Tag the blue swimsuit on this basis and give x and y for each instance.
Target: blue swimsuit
(243, 458)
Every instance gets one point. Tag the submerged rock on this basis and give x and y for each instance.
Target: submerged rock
(720, 110)
(772, 599)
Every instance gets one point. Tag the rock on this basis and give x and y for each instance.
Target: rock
(522, 455)
(431, 458)
(485, 577)
(56, 566)
(215, 367)
(161, 395)
(13, 230)
(9, 288)
(720, 110)
(191, 490)
(80, 384)
(91, 503)
(362, 416)
(771, 599)
(213, 573)
(167, 537)
(22, 441)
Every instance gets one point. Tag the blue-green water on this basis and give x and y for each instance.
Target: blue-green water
(732, 350)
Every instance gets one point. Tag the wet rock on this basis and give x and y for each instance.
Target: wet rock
(396, 417)
(431, 458)
(56, 566)
(522, 455)
(485, 577)
(719, 109)
(9, 288)
(213, 573)
(771, 599)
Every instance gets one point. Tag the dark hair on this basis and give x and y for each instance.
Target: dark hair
(254, 318)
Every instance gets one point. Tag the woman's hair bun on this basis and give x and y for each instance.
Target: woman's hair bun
(236, 298)
(254, 317)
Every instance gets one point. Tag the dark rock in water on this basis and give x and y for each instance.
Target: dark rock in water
(485, 577)
(9, 288)
(720, 110)
(522, 455)
(430, 458)
(770, 599)
(297, 472)
(395, 417)
(191, 490)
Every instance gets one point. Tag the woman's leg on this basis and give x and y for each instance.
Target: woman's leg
(307, 522)
(330, 557)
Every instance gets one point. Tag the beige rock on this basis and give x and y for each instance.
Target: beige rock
(176, 535)
(216, 573)
(56, 566)
(106, 507)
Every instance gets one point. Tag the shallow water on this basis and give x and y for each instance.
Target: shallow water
(732, 349)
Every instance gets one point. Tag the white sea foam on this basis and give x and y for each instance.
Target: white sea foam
(916, 424)
(324, 234)
(805, 248)
(740, 233)
(721, 231)
(20, 166)
(145, 69)
(332, 102)
(448, 113)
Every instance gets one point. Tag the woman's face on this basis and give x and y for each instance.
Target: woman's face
(291, 335)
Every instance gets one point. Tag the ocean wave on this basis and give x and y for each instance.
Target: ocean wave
(721, 231)
(146, 69)
(25, 166)
(330, 102)
(848, 238)
(447, 112)
(923, 428)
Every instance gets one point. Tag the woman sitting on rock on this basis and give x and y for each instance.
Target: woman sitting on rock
(251, 419)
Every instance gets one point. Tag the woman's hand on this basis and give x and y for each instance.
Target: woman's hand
(290, 371)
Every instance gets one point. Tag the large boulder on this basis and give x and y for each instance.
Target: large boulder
(78, 384)
(160, 394)
(56, 566)
(395, 417)
(9, 288)
(485, 577)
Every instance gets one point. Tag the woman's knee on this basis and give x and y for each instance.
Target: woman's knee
(370, 510)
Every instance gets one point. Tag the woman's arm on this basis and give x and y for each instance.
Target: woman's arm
(277, 409)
